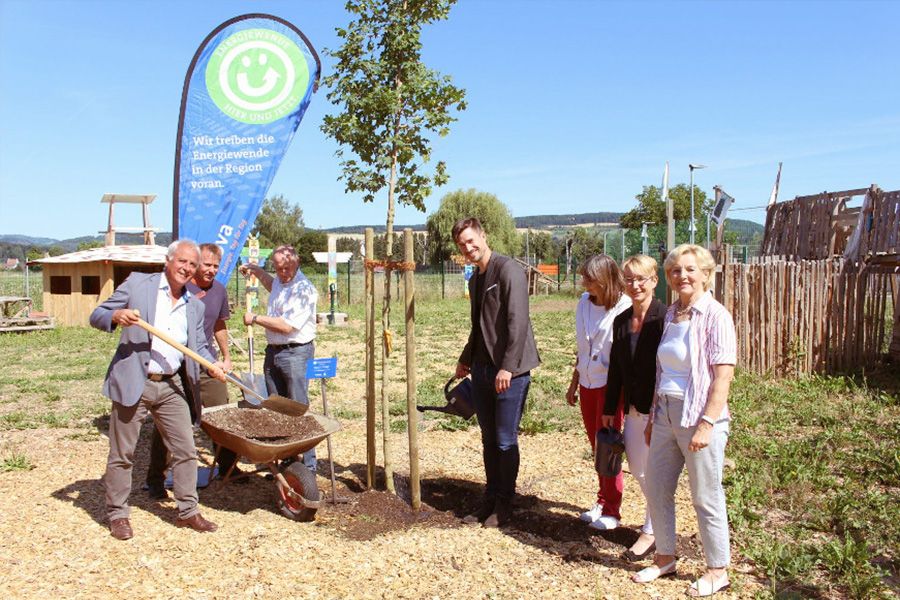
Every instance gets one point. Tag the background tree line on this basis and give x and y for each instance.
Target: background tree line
(281, 222)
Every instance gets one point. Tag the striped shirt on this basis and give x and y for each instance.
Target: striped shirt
(712, 342)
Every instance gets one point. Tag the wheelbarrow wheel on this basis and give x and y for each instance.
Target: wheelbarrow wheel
(303, 482)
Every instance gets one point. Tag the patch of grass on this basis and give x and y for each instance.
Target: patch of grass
(816, 473)
(850, 561)
(453, 423)
(343, 412)
(16, 461)
(26, 420)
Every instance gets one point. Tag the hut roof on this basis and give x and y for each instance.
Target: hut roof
(120, 254)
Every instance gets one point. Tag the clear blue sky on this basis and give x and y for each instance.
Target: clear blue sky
(573, 106)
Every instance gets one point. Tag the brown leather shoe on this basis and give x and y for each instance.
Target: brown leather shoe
(121, 529)
(197, 523)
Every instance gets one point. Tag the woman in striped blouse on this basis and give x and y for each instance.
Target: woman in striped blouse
(690, 418)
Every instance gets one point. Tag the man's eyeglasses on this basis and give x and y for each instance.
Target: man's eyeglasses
(638, 280)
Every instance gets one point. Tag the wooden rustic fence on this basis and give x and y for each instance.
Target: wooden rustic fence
(808, 316)
(823, 297)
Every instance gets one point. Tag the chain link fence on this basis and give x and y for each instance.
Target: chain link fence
(23, 282)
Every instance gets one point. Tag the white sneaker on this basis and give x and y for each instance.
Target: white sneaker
(593, 514)
(604, 523)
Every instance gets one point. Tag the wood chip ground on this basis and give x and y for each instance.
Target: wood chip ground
(56, 543)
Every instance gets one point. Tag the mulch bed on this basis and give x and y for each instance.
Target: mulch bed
(372, 544)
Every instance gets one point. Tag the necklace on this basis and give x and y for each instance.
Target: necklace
(681, 311)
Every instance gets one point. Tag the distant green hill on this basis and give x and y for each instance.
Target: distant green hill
(748, 232)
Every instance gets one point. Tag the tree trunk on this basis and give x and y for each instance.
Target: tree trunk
(386, 327)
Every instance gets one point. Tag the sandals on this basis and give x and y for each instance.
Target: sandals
(653, 572)
(704, 586)
(631, 556)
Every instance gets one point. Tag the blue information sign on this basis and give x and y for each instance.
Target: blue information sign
(321, 368)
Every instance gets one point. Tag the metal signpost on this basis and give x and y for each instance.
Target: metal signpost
(322, 369)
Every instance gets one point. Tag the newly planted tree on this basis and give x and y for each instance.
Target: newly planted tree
(390, 104)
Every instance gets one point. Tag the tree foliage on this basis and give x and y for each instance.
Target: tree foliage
(391, 101)
(279, 222)
(348, 244)
(539, 246)
(652, 209)
(494, 216)
(397, 251)
(88, 244)
(585, 243)
(391, 104)
(311, 240)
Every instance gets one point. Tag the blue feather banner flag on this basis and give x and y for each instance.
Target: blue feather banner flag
(245, 93)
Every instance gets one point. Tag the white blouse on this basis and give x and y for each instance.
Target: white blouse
(594, 333)
(675, 360)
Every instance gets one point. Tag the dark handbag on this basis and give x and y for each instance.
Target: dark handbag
(608, 450)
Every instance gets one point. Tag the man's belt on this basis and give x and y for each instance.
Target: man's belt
(159, 376)
(291, 345)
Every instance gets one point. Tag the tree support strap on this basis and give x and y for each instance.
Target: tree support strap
(390, 265)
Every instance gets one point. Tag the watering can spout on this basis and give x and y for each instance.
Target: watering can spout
(459, 400)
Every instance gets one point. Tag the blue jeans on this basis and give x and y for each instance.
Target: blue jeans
(285, 371)
(499, 416)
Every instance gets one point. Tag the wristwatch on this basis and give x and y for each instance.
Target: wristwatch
(709, 420)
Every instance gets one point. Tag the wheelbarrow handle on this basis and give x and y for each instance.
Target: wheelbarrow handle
(190, 353)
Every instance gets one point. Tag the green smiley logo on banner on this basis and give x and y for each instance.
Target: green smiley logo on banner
(257, 76)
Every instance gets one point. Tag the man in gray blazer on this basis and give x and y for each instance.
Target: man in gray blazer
(148, 375)
(499, 355)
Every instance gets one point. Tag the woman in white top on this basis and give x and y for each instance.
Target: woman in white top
(689, 419)
(602, 301)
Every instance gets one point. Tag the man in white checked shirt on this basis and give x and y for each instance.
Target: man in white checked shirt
(290, 324)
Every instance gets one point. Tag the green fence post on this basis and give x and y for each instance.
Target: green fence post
(558, 274)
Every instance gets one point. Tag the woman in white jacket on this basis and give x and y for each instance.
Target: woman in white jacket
(603, 300)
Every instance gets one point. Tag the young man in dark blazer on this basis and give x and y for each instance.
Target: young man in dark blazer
(499, 355)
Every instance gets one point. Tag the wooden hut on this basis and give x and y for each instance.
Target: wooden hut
(75, 283)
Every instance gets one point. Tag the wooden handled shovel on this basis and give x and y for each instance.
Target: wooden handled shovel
(273, 402)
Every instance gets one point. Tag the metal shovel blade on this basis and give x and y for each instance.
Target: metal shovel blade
(255, 393)
(255, 382)
(285, 406)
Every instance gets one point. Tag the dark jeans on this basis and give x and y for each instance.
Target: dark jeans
(285, 371)
(499, 416)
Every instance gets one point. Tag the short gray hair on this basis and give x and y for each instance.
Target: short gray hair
(288, 251)
(173, 247)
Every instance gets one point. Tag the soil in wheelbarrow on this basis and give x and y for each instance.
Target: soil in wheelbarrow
(264, 425)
